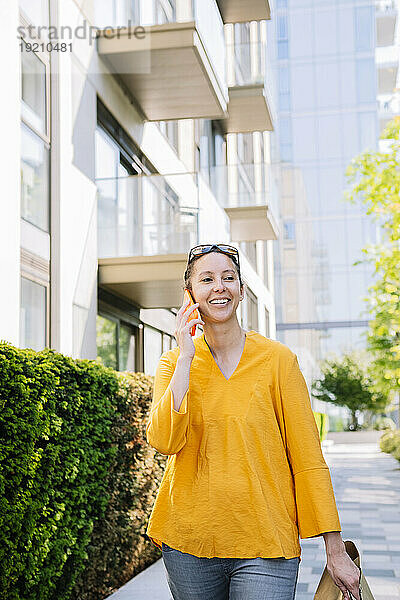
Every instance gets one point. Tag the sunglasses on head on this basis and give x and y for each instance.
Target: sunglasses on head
(230, 251)
(197, 251)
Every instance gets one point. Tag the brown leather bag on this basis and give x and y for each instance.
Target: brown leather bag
(328, 590)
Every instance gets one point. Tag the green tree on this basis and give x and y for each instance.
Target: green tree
(375, 181)
(345, 382)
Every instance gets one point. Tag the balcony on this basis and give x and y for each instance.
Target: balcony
(174, 70)
(250, 104)
(144, 233)
(248, 193)
(387, 61)
(386, 15)
(240, 11)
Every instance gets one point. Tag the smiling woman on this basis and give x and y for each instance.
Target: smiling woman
(246, 474)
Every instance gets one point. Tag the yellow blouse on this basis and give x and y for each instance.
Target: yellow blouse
(246, 475)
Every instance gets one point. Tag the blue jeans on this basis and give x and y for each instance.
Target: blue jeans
(198, 578)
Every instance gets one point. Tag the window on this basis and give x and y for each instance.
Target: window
(34, 179)
(285, 139)
(266, 269)
(284, 88)
(267, 332)
(170, 130)
(282, 28)
(116, 343)
(106, 335)
(35, 141)
(33, 86)
(366, 80)
(282, 37)
(165, 11)
(283, 49)
(364, 23)
(127, 348)
(153, 348)
(252, 311)
(290, 231)
(33, 315)
(37, 11)
(117, 13)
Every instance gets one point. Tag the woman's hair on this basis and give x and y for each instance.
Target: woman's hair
(189, 269)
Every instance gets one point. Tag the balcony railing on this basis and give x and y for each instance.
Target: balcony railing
(244, 185)
(245, 63)
(143, 215)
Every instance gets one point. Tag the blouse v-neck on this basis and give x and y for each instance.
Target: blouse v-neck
(208, 349)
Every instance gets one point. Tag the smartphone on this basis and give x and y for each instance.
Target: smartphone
(195, 314)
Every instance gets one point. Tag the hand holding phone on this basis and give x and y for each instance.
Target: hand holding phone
(195, 314)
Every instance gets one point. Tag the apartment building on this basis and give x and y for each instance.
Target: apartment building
(333, 61)
(133, 131)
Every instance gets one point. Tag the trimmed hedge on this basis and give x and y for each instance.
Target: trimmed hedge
(77, 479)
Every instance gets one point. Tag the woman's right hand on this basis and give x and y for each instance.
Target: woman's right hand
(182, 331)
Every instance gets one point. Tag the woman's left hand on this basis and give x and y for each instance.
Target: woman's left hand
(345, 574)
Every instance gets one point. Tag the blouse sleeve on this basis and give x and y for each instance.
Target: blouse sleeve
(316, 507)
(166, 428)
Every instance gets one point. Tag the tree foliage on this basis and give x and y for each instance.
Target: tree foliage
(375, 181)
(345, 382)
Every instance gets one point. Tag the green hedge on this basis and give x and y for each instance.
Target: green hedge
(77, 478)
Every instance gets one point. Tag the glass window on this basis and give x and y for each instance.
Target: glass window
(366, 80)
(325, 31)
(289, 230)
(284, 78)
(286, 152)
(304, 138)
(166, 342)
(301, 33)
(37, 11)
(117, 13)
(328, 89)
(266, 323)
(34, 179)
(368, 130)
(165, 11)
(33, 86)
(303, 81)
(106, 335)
(33, 315)
(329, 137)
(283, 49)
(282, 28)
(126, 348)
(364, 27)
(252, 311)
(152, 349)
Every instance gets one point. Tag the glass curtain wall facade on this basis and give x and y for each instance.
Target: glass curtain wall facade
(327, 113)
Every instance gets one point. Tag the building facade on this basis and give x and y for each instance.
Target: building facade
(333, 60)
(134, 130)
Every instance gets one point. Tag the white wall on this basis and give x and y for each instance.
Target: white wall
(10, 174)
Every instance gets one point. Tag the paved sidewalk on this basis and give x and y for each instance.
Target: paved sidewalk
(367, 490)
